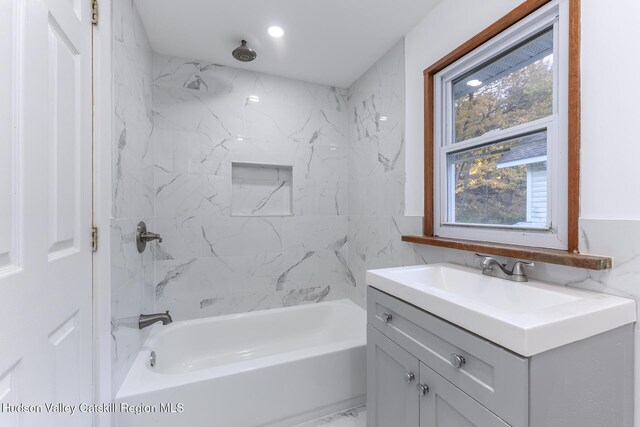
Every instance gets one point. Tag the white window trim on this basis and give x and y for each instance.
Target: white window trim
(556, 235)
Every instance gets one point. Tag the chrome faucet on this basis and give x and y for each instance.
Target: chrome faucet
(516, 274)
(149, 319)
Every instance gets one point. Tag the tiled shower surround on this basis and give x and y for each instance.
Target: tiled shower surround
(132, 176)
(212, 262)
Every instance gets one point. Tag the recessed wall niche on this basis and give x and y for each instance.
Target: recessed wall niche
(261, 190)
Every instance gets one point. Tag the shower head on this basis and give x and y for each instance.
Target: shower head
(243, 53)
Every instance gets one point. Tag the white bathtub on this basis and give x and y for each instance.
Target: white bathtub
(273, 368)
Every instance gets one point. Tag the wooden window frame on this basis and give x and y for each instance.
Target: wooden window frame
(571, 256)
(552, 19)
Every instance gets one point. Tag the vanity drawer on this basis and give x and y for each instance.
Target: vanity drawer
(493, 376)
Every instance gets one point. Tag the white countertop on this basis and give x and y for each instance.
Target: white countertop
(527, 318)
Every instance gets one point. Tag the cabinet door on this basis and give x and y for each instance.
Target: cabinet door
(445, 405)
(392, 373)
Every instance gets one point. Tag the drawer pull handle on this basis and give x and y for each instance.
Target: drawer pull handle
(457, 360)
(409, 377)
(386, 317)
(423, 389)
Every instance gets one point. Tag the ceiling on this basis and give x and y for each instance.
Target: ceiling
(330, 42)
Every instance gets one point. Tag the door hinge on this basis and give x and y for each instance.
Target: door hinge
(94, 239)
(94, 12)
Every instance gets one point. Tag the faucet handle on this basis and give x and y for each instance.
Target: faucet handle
(143, 236)
(518, 269)
(483, 257)
(486, 261)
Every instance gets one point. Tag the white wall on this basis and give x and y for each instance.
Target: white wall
(610, 111)
(610, 145)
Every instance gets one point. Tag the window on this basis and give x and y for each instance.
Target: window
(500, 130)
(502, 140)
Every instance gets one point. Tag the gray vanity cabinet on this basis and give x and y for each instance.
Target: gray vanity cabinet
(406, 393)
(444, 405)
(425, 372)
(392, 374)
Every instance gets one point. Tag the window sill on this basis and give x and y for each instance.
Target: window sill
(551, 256)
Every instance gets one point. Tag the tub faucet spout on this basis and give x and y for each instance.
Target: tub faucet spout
(150, 319)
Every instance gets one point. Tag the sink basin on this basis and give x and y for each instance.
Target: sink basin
(526, 318)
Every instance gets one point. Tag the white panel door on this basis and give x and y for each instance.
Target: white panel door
(45, 209)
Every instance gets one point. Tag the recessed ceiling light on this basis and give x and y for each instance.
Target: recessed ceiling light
(254, 98)
(474, 83)
(276, 31)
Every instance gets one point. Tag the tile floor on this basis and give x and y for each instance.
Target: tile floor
(354, 417)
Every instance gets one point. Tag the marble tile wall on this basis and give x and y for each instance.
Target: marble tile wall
(376, 172)
(212, 262)
(376, 164)
(132, 177)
